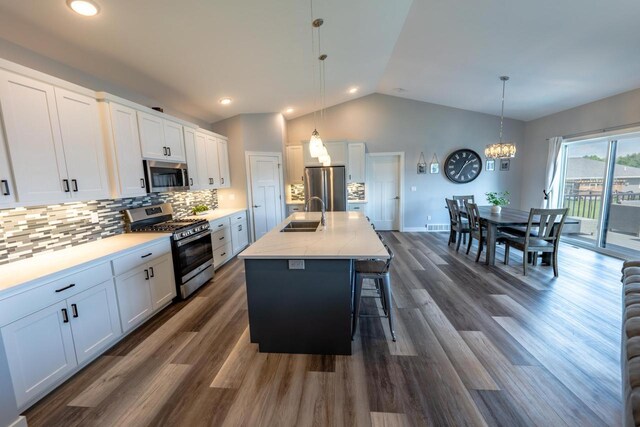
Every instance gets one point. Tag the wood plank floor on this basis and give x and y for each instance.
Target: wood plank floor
(477, 345)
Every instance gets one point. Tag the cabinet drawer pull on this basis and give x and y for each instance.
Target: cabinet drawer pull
(66, 287)
(191, 181)
(75, 184)
(221, 180)
(220, 225)
(65, 185)
(146, 275)
(141, 182)
(5, 184)
(223, 254)
(151, 271)
(74, 310)
(149, 254)
(169, 150)
(222, 238)
(65, 316)
(240, 227)
(164, 151)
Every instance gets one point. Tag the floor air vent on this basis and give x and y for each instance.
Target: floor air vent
(437, 227)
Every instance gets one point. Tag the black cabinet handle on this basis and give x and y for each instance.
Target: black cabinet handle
(5, 184)
(211, 181)
(164, 151)
(65, 185)
(74, 310)
(240, 227)
(222, 238)
(152, 273)
(75, 184)
(220, 225)
(66, 287)
(149, 254)
(141, 182)
(169, 150)
(146, 275)
(223, 254)
(65, 316)
(349, 176)
(221, 180)
(190, 181)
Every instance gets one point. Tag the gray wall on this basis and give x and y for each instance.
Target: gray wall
(388, 123)
(247, 132)
(618, 110)
(28, 58)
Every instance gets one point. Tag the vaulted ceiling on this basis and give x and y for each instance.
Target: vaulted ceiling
(188, 54)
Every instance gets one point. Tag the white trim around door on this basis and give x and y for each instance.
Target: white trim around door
(247, 158)
(400, 155)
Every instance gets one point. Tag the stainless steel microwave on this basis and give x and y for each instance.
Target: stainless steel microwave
(166, 176)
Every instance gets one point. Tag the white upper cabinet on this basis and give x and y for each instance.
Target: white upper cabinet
(161, 139)
(174, 140)
(356, 162)
(124, 154)
(295, 164)
(7, 190)
(33, 139)
(223, 164)
(337, 151)
(83, 145)
(192, 158)
(205, 180)
(212, 161)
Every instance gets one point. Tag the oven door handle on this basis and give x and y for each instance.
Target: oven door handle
(183, 242)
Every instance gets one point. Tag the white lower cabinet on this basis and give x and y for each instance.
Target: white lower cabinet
(143, 290)
(43, 347)
(239, 236)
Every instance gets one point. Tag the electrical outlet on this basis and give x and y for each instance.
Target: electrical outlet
(296, 264)
(428, 217)
(414, 188)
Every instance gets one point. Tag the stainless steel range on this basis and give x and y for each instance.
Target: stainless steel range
(190, 242)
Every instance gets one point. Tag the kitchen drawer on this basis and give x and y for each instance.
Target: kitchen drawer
(222, 255)
(25, 303)
(140, 256)
(291, 209)
(219, 224)
(357, 207)
(221, 238)
(238, 218)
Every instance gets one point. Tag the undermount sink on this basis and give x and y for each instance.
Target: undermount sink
(301, 226)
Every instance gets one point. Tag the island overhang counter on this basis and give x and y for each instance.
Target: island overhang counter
(299, 284)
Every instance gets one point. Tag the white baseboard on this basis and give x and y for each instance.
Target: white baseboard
(20, 422)
(414, 230)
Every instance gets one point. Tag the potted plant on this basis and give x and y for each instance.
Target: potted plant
(200, 209)
(498, 200)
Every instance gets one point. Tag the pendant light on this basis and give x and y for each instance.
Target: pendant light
(316, 146)
(501, 150)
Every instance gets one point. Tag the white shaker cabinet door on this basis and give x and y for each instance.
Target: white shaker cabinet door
(7, 189)
(83, 145)
(39, 351)
(295, 164)
(94, 320)
(152, 137)
(356, 162)
(33, 139)
(205, 179)
(192, 158)
(223, 164)
(124, 129)
(134, 297)
(174, 141)
(163, 285)
(212, 161)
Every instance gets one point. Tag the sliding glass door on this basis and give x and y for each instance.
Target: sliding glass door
(600, 186)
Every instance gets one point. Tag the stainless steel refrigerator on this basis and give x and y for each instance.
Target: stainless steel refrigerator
(330, 184)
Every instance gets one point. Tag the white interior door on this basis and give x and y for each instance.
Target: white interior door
(266, 193)
(384, 192)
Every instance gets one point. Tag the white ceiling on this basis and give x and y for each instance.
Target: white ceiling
(188, 54)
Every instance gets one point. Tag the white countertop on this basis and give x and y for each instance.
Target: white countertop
(218, 213)
(28, 270)
(347, 235)
(356, 201)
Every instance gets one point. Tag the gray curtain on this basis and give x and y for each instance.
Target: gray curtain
(552, 176)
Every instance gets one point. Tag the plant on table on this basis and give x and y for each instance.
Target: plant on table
(199, 208)
(498, 199)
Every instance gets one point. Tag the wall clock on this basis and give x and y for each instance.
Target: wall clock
(462, 166)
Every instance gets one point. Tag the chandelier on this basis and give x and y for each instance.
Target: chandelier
(501, 150)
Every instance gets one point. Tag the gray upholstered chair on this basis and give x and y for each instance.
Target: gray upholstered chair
(378, 271)
(630, 354)
(547, 240)
(459, 227)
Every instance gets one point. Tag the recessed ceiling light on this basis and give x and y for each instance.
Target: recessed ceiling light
(353, 90)
(225, 101)
(84, 7)
(289, 110)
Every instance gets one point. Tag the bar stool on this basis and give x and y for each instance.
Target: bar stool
(378, 271)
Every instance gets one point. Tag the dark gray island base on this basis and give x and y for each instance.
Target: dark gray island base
(300, 311)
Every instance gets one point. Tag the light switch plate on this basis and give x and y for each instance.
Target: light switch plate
(414, 188)
(296, 264)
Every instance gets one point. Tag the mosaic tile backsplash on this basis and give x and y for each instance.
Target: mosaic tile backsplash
(355, 191)
(297, 192)
(25, 232)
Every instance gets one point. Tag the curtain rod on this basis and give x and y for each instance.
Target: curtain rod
(597, 131)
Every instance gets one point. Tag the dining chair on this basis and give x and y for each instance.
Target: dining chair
(459, 227)
(475, 227)
(547, 240)
(461, 199)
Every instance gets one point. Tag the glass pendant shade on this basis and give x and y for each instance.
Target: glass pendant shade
(325, 160)
(315, 144)
(500, 150)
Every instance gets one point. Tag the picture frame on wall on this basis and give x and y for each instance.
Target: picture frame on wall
(505, 164)
(434, 168)
(490, 165)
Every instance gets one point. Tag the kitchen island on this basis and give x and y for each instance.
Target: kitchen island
(299, 282)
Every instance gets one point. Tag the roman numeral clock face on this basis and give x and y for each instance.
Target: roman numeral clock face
(462, 166)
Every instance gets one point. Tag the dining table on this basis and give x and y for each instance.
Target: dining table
(508, 217)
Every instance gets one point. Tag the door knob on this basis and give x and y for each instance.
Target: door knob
(397, 197)
(256, 206)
